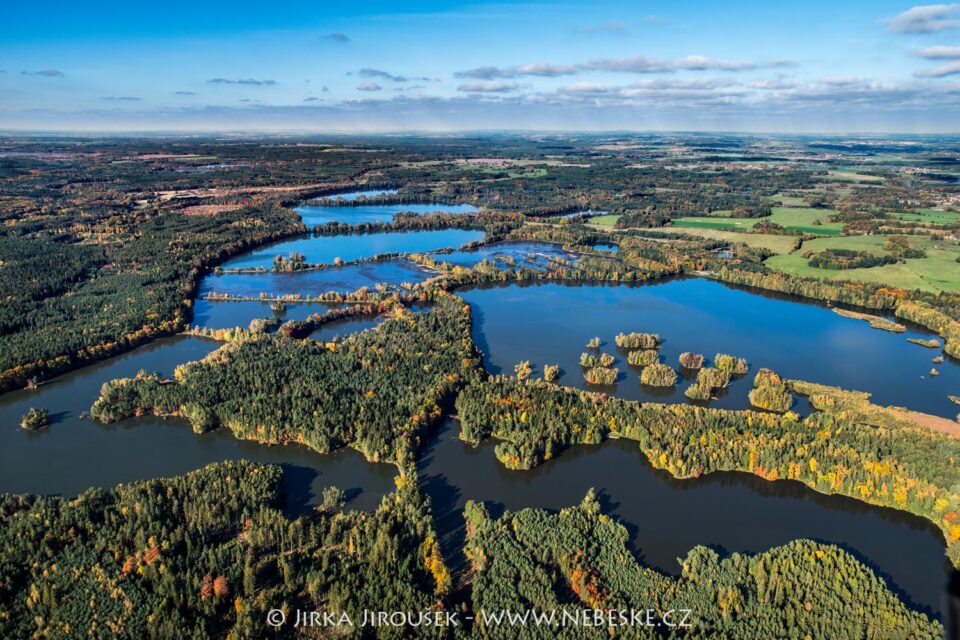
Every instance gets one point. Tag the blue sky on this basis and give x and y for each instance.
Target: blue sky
(388, 66)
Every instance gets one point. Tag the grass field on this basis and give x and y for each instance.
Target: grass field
(605, 221)
(776, 244)
(792, 218)
(930, 215)
(790, 201)
(853, 175)
(939, 271)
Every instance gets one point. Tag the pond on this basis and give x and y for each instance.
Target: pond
(534, 255)
(314, 214)
(666, 517)
(316, 281)
(612, 248)
(73, 454)
(324, 249)
(216, 314)
(550, 323)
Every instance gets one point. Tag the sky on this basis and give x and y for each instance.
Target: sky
(209, 65)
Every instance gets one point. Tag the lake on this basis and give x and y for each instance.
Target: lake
(324, 249)
(73, 454)
(534, 255)
(313, 214)
(666, 517)
(550, 323)
(316, 281)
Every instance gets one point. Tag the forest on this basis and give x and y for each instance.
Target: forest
(377, 391)
(206, 555)
(578, 559)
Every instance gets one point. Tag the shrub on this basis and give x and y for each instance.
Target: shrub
(690, 360)
(35, 419)
(698, 391)
(713, 378)
(551, 372)
(590, 360)
(634, 340)
(601, 375)
(523, 370)
(659, 375)
(594, 343)
(731, 364)
(765, 377)
(773, 397)
(643, 358)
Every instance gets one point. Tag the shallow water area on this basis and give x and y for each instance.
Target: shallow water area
(349, 247)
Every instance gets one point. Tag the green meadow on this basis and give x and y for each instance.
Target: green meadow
(939, 271)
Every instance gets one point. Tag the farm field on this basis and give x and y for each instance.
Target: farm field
(792, 218)
(939, 271)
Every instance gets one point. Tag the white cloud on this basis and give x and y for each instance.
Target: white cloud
(944, 70)
(926, 19)
(633, 64)
(940, 53)
(369, 86)
(492, 86)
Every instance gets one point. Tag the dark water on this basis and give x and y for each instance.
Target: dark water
(314, 282)
(551, 324)
(666, 517)
(73, 454)
(324, 249)
(342, 328)
(535, 255)
(359, 214)
(215, 314)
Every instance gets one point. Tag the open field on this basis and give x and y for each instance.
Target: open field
(939, 271)
(605, 221)
(853, 175)
(774, 243)
(930, 215)
(792, 218)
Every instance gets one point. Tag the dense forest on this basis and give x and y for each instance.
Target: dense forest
(377, 391)
(206, 555)
(560, 564)
(83, 302)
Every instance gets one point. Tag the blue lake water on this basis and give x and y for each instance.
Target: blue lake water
(324, 249)
(215, 314)
(551, 324)
(612, 248)
(314, 282)
(322, 214)
(535, 255)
